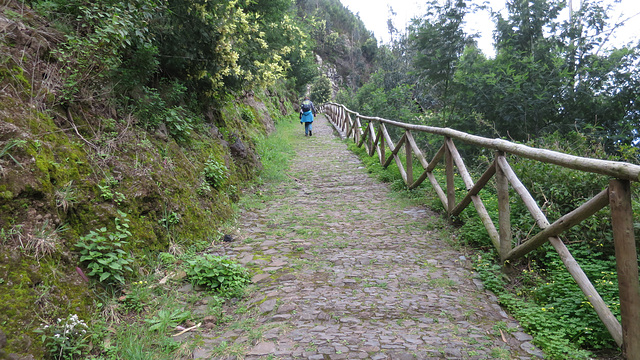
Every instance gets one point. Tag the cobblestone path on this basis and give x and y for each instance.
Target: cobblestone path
(346, 271)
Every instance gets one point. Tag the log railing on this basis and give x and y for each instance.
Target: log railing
(372, 133)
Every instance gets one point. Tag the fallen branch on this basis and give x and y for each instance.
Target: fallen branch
(188, 329)
(70, 119)
(289, 175)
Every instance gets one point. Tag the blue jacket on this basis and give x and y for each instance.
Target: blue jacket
(307, 116)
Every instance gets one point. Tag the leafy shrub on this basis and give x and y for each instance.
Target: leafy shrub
(66, 339)
(554, 334)
(217, 273)
(215, 173)
(103, 252)
(153, 110)
(94, 52)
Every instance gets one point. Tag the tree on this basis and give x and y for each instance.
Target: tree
(321, 90)
(438, 40)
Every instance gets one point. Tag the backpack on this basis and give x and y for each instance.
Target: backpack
(306, 106)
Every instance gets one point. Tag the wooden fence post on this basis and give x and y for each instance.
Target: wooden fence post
(373, 139)
(409, 159)
(627, 265)
(383, 157)
(345, 122)
(451, 187)
(504, 210)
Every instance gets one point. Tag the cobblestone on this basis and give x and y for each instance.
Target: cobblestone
(347, 271)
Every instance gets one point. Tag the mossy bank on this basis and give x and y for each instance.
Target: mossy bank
(67, 169)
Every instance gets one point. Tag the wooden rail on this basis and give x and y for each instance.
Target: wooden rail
(372, 133)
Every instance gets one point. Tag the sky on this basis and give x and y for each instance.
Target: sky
(374, 14)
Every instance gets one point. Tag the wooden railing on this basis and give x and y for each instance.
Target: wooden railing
(372, 133)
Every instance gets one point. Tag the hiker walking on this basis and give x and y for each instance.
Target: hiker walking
(307, 112)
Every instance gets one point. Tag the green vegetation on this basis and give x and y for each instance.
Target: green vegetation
(215, 173)
(548, 75)
(166, 319)
(539, 291)
(102, 252)
(217, 273)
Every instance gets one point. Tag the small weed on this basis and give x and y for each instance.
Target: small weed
(241, 310)
(225, 350)
(166, 258)
(5, 151)
(341, 244)
(204, 189)
(244, 324)
(169, 219)
(501, 326)
(44, 240)
(255, 335)
(312, 347)
(382, 284)
(500, 353)
(66, 197)
(467, 314)
(249, 240)
(166, 318)
(12, 234)
(66, 339)
(137, 296)
(442, 283)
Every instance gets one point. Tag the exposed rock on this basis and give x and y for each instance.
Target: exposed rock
(263, 113)
(263, 348)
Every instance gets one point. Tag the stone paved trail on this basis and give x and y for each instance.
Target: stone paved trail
(347, 272)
